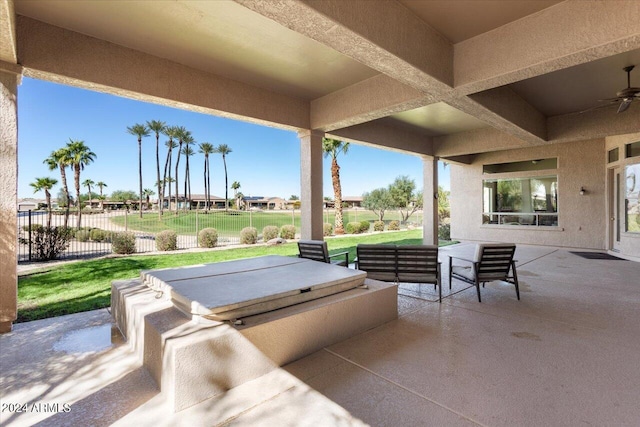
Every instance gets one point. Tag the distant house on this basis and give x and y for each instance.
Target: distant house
(347, 201)
(28, 205)
(264, 203)
(94, 204)
(114, 205)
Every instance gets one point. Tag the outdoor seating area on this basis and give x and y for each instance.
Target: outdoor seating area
(562, 355)
(401, 263)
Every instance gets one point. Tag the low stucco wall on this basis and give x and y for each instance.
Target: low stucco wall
(581, 218)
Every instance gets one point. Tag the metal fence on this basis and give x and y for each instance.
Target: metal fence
(88, 243)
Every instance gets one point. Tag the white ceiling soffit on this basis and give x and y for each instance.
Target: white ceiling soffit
(219, 36)
(437, 119)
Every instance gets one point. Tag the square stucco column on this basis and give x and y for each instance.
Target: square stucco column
(8, 199)
(430, 200)
(311, 184)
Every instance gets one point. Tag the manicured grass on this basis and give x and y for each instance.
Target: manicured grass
(230, 223)
(86, 285)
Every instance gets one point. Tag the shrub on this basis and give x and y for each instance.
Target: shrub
(98, 235)
(82, 235)
(208, 238)
(327, 229)
(34, 227)
(378, 226)
(394, 225)
(248, 236)
(444, 231)
(269, 232)
(48, 242)
(123, 242)
(288, 231)
(353, 228)
(364, 226)
(167, 240)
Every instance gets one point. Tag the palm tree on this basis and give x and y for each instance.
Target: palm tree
(79, 156)
(180, 132)
(171, 132)
(187, 141)
(88, 183)
(45, 184)
(236, 186)
(157, 127)
(147, 193)
(206, 149)
(101, 185)
(139, 131)
(187, 152)
(224, 150)
(333, 147)
(59, 159)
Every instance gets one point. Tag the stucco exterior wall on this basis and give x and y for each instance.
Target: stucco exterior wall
(581, 218)
(629, 242)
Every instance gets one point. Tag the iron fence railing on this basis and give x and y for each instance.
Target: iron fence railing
(86, 242)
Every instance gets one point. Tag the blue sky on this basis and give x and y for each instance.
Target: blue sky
(266, 161)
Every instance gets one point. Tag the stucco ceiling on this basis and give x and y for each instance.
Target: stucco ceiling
(459, 20)
(233, 40)
(219, 36)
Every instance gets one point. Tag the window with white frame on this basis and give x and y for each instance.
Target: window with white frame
(521, 201)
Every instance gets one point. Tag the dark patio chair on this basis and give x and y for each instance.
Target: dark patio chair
(317, 251)
(379, 261)
(491, 262)
(419, 264)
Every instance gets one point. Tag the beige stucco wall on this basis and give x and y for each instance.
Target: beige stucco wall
(629, 242)
(581, 218)
(8, 199)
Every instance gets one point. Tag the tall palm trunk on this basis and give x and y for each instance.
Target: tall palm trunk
(337, 191)
(177, 163)
(167, 166)
(140, 174)
(226, 184)
(76, 179)
(206, 189)
(65, 187)
(160, 194)
(208, 184)
(47, 196)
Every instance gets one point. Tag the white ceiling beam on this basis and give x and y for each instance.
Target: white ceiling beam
(569, 33)
(387, 37)
(593, 124)
(64, 56)
(371, 99)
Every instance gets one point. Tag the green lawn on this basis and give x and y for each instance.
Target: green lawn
(85, 285)
(230, 223)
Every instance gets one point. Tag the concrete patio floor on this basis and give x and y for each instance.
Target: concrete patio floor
(566, 354)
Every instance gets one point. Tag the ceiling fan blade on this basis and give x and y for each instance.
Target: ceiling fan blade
(625, 104)
(616, 99)
(597, 107)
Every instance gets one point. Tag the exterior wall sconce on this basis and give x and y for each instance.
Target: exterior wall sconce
(582, 191)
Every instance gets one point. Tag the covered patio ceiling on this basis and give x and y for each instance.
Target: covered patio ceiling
(443, 78)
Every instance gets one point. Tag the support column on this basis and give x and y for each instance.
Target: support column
(311, 184)
(8, 199)
(430, 200)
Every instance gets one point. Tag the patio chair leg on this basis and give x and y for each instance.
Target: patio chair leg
(515, 279)
(478, 289)
(450, 268)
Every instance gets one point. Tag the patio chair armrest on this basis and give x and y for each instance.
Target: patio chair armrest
(345, 254)
(461, 259)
